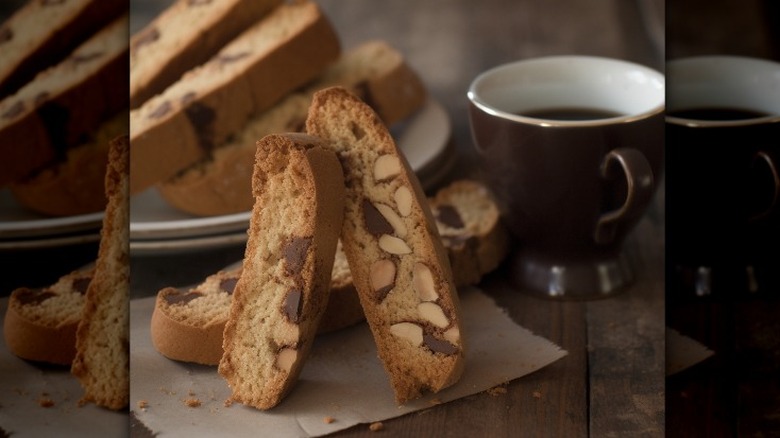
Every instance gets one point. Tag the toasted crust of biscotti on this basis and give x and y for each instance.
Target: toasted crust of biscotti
(40, 324)
(283, 289)
(102, 339)
(76, 185)
(221, 183)
(283, 51)
(398, 263)
(42, 33)
(183, 36)
(49, 115)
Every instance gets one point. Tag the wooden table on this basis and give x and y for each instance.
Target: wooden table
(611, 383)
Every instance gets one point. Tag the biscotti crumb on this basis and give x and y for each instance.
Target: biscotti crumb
(435, 401)
(192, 402)
(45, 402)
(228, 402)
(143, 404)
(328, 419)
(497, 390)
(376, 426)
(537, 394)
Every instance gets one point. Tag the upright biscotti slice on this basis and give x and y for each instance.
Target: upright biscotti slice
(185, 35)
(65, 103)
(77, 184)
(102, 348)
(470, 226)
(284, 285)
(42, 33)
(187, 325)
(221, 182)
(398, 263)
(286, 49)
(40, 324)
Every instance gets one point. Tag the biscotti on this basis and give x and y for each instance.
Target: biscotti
(183, 36)
(470, 226)
(76, 185)
(284, 285)
(221, 183)
(398, 263)
(286, 49)
(42, 33)
(102, 339)
(65, 103)
(187, 325)
(40, 324)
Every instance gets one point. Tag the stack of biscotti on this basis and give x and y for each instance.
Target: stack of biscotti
(42, 33)
(398, 263)
(102, 338)
(286, 48)
(40, 324)
(61, 107)
(188, 325)
(221, 182)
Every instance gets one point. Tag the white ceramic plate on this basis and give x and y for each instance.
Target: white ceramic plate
(18, 223)
(423, 139)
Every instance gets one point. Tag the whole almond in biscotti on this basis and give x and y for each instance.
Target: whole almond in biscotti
(398, 263)
(283, 289)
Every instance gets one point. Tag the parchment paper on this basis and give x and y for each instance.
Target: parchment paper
(343, 379)
(25, 387)
(683, 352)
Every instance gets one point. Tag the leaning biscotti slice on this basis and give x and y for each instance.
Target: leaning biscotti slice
(64, 104)
(398, 263)
(284, 285)
(185, 35)
(40, 324)
(76, 185)
(102, 349)
(42, 33)
(470, 226)
(187, 325)
(221, 183)
(286, 49)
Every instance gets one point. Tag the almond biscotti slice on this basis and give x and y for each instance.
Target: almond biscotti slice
(184, 35)
(398, 263)
(40, 324)
(75, 185)
(283, 51)
(284, 285)
(64, 103)
(42, 33)
(102, 348)
(187, 325)
(222, 182)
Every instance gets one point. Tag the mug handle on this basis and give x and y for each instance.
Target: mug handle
(640, 186)
(770, 164)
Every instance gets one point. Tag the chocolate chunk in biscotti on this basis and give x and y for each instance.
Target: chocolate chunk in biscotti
(284, 285)
(398, 263)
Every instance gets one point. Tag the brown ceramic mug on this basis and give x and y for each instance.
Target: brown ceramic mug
(723, 176)
(572, 147)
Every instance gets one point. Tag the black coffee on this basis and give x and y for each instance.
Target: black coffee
(570, 113)
(716, 114)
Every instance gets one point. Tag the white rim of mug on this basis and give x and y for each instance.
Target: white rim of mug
(703, 123)
(472, 96)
